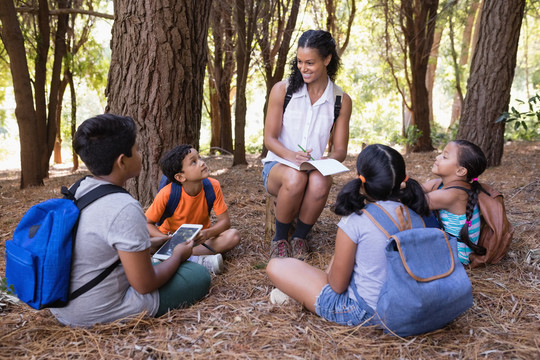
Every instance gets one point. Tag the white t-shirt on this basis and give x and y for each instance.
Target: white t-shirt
(306, 125)
(113, 222)
(369, 273)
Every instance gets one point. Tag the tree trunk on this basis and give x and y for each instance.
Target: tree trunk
(275, 26)
(73, 124)
(224, 66)
(464, 59)
(27, 120)
(490, 80)
(418, 27)
(58, 114)
(60, 50)
(432, 68)
(159, 55)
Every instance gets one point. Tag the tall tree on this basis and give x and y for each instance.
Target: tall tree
(158, 61)
(221, 66)
(466, 46)
(492, 72)
(410, 27)
(246, 16)
(274, 37)
(337, 13)
(36, 117)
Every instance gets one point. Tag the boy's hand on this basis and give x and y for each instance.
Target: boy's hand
(157, 241)
(183, 250)
(201, 237)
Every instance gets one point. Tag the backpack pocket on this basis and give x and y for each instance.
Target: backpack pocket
(21, 267)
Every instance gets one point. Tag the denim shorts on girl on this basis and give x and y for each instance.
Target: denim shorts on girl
(266, 170)
(341, 309)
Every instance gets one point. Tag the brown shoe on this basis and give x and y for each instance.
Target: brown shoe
(300, 248)
(280, 249)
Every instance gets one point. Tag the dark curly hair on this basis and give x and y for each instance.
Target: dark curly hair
(171, 162)
(324, 43)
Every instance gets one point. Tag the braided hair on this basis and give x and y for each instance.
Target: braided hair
(472, 158)
(382, 170)
(324, 43)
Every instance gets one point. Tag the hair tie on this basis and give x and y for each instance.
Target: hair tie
(362, 179)
(468, 222)
(406, 178)
(474, 179)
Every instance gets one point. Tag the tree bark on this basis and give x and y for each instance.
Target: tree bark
(277, 26)
(418, 24)
(431, 70)
(156, 76)
(27, 120)
(466, 45)
(492, 72)
(222, 66)
(246, 16)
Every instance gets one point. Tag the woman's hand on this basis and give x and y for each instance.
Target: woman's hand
(301, 156)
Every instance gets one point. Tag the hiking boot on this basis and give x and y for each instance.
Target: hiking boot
(278, 297)
(300, 248)
(280, 249)
(214, 263)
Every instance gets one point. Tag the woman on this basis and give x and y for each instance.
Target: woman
(300, 132)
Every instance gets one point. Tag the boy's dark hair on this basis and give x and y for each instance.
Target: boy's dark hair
(472, 158)
(383, 169)
(171, 162)
(325, 44)
(100, 140)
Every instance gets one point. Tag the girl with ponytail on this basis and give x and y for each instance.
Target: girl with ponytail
(455, 194)
(347, 292)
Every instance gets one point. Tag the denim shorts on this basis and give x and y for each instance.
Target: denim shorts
(266, 170)
(341, 309)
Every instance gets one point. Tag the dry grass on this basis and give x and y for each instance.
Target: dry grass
(236, 320)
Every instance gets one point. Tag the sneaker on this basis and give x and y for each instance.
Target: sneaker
(278, 297)
(300, 248)
(280, 249)
(214, 263)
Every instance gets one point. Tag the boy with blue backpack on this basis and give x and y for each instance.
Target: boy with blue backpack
(187, 196)
(111, 241)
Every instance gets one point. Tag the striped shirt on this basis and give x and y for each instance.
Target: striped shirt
(453, 223)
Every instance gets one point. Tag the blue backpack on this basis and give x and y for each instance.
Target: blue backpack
(38, 259)
(176, 193)
(426, 285)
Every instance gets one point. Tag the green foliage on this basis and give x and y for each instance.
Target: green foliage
(4, 288)
(526, 122)
(440, 136)
(411, 137)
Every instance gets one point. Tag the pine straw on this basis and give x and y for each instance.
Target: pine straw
(236, 320)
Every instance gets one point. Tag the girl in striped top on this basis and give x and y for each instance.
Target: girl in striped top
(455, 194)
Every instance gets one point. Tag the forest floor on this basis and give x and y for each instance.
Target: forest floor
(238, 321)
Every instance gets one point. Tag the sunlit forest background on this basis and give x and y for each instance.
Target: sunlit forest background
(377, 105)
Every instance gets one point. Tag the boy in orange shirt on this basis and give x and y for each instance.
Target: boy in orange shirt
(182, 165)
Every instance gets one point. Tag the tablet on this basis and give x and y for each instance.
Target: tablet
(184, 233)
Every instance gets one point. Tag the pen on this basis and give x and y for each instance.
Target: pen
(301, 148)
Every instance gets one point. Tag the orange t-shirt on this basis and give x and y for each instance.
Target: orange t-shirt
(190, 210)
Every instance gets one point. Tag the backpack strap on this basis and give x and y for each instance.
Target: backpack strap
(288, 97)
(338, 95)
(82, 203)
(176, 193)
(386, 223)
